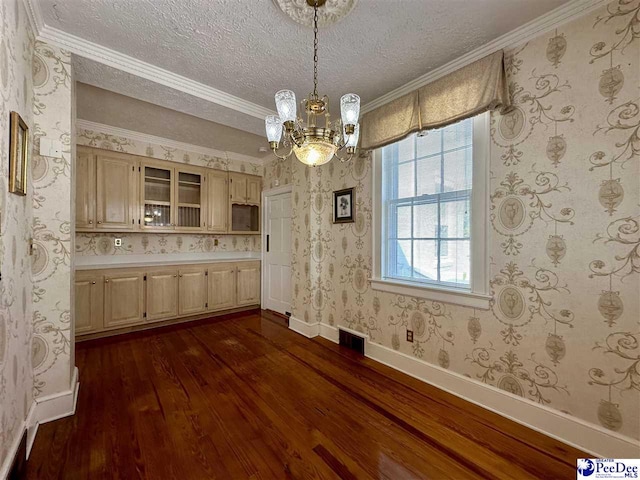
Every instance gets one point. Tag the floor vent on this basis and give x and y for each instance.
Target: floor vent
(354, 342)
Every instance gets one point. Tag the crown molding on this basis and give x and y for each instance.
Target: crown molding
(553, 19)
(34, 15)
(165, 142)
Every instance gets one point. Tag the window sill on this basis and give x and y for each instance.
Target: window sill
(438, 294)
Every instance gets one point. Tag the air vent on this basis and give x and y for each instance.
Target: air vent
(351, 341)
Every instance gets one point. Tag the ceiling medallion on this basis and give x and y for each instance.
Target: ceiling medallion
(332, 10)
(314, 144)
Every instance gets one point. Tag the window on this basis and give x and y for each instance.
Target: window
(430, 214)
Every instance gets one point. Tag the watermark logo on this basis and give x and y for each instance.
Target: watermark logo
(609, 468)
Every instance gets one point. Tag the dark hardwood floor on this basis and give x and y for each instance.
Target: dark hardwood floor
(243, 397)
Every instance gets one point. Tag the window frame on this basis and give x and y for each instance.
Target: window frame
(477, 295)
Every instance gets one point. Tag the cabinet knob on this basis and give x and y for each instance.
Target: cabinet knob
(175, 276)
(106, 281)
(90, 222)
(93, 283)
(99, 222)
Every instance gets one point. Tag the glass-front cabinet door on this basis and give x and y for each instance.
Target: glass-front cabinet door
(190, 199)
(157, 193)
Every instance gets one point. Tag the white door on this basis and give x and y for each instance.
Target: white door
(277, 253)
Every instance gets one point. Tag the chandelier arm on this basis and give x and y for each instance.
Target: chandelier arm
(343, 159)
(315, 50)
(274, 149)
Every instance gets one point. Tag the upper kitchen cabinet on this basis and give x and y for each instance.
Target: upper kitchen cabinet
(156, 195)
(218, 201)
(244, 209)
(190, 199)
(85, 189)
(115, 192)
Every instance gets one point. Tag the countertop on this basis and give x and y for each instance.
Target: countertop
(97, 262)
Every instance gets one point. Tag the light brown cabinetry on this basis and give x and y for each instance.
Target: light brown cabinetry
(128, 297)
(123, 298)
(115, 192)
(88, 302)
(222, 286)
(192, 295)
(162, 294)
(120, 192)
(218, 202)
(85, 189)
(248, 283)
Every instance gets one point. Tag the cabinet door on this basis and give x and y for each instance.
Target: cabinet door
(254, 189)
(115, 192)
(222, 286)
(238, 187)
(193, 291)
(162, 294)
(123, 299)
(85, 189)
(88, 303)
(218, 202)
(157, 196)
(248, 283)
(190, 199)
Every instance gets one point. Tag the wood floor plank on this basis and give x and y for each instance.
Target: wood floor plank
(244, 397)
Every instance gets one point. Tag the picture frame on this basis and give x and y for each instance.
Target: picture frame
(18, 154)
(344, 204)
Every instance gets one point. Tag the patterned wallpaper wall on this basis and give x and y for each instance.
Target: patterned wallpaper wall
(16, 93)
(52, 349)
(564, 324)
(137, 243)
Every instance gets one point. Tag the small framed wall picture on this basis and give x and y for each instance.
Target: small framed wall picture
(344, 204)
(18, 154)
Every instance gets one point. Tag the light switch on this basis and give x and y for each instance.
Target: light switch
(118, 242)
(50, 147)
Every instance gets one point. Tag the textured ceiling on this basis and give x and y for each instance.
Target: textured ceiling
(102, 106)
(251, 49)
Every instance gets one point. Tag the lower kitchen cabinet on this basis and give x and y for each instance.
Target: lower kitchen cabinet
(222, 286)
(192, 297)
(162, 294)
(89, 291)
(248, 283)
(123, 298)
(127, 297)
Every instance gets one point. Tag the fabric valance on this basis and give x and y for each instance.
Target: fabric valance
(469, 91)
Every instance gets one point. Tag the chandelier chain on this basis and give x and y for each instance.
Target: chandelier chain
(315, 49)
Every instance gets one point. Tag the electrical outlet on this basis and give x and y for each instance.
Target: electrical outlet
(118, 242)
(410, 336)
(215, 242)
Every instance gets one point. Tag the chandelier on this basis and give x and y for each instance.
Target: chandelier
(312, 143)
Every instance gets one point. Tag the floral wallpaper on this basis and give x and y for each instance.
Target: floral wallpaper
(277, 172)
(152, 243)
(52, 349)
(563, 328)
(16, 94)
(137, 243)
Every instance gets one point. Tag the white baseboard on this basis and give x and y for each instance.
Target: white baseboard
(591, 438)
(308, 330)
(58, 405)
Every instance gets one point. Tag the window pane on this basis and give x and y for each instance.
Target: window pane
(425, 220)
(406, 180)
(458, 135)
(406, 150)
(455, 266)
(429, 176)
(400, 258)
(457, 170)
(403, 228)
(454, 216)
(425, 260)
(429, 143)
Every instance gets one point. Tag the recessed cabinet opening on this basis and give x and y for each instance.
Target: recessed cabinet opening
(245, 218)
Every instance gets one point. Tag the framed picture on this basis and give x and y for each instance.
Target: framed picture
(344, 202)
(18, 154)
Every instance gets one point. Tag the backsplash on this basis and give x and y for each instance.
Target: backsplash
(154, 243)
